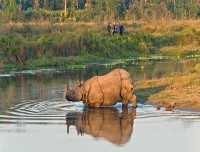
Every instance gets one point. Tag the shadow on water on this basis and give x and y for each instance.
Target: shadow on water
(107, 123)
(143, 94)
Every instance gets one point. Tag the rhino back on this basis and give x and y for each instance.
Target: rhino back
(125, 75)
(106, 89)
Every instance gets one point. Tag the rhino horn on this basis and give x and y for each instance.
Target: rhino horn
(70, 95)
(68, 89)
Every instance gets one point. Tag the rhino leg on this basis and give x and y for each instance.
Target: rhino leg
(126, 92)
(124, 102)
(97, 105)
(127, 95)
(133, 101)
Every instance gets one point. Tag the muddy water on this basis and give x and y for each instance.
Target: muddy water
(35, 117)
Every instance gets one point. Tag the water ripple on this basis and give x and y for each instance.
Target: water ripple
(34, 112)
(48, 112)
(149, 111)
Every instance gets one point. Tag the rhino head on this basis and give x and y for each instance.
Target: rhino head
(76, 94)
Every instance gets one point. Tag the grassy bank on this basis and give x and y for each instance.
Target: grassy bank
(36, 44)
(184, 89)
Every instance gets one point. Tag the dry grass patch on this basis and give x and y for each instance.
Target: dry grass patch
(182, 89)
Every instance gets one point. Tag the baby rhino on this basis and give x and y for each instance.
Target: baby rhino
(104, 90)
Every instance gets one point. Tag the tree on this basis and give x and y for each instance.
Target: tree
(111, 11)
(87, 10)
(36, 4)
(9, 11)
(121, 9)
(65, 7)
(99, 9)
(72, 8)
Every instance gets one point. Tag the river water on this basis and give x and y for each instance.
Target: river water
(35, 117)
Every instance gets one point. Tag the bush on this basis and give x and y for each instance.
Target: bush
(45, 15)
(35, 41)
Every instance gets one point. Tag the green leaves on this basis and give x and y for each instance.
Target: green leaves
(97, 10)
(9, 11)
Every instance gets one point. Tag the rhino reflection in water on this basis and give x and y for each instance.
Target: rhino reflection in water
(107, 123)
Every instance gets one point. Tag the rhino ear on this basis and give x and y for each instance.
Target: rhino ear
(80, 83)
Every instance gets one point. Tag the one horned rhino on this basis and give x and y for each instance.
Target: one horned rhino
(104, 90)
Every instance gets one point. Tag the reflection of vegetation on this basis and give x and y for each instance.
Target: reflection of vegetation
(143, 94)
(72, 61)
(15, 89)
(37, 84)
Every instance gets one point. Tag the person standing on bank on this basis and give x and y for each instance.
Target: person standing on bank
(121, 29)
(109, 29)
(114, 29)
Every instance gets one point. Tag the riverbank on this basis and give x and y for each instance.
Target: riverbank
(184, 89)
(31, 44)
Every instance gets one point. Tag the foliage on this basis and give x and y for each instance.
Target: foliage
(23, 42)
(97, 10)
(72, 61)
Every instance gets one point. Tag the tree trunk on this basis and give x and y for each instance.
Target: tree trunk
(174, 1)
(36, 4)
(65, 7)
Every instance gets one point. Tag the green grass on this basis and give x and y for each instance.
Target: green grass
(74, 43)
(71, 61)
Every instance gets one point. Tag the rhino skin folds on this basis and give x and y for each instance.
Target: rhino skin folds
(104, 90)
